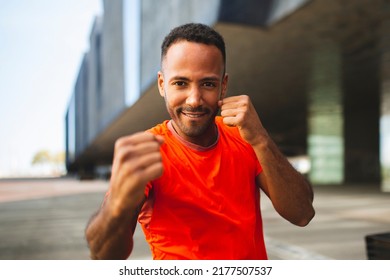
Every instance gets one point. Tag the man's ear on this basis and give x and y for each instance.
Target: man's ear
(160, 83)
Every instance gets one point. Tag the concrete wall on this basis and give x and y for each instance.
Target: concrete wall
(70, 135)
(93, 90)
(113, 80)
(80, 107)
(361, 82)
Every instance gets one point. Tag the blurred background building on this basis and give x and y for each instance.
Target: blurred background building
(317, 71)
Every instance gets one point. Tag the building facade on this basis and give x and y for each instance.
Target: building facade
(317, 72)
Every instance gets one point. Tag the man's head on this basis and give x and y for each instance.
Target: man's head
(192, 80)
(196, 33)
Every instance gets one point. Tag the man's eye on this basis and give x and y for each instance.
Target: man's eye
(209, 84)
(179, 83)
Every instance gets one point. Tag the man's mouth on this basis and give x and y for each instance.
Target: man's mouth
(194, 115)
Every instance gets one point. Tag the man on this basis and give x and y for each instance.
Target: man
(194, 182)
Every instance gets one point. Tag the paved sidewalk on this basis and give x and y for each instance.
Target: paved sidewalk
(344, 216)
(45, 219)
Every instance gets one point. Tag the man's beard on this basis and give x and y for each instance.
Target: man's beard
(193, 129)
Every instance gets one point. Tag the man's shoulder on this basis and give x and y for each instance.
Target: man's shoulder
(159, 129)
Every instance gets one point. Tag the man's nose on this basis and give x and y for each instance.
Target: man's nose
(194, 98)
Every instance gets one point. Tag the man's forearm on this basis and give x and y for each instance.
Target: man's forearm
(110, 237)
(290, 193)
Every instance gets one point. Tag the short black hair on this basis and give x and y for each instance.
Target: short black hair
(194, 32)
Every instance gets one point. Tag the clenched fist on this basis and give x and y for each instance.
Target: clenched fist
(137, 160)
(239, 111)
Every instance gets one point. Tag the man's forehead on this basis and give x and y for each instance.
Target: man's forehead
(182, 46)
(184, 50)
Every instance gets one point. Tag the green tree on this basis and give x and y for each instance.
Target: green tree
(54, 161)
(42, 157)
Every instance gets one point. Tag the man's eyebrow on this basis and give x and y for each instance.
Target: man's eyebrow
(205, 79)
(179, 78)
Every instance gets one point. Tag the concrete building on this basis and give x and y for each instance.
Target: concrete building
(317, 72)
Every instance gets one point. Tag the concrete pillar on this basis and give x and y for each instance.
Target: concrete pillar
(361, 88)
(385, 108)
(325, 112)
(385, 133)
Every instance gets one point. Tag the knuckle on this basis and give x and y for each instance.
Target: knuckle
(245, 99)
(119, 143)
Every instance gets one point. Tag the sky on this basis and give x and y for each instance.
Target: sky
(41, 46)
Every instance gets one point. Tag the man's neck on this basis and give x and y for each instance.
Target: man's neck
(198, 143)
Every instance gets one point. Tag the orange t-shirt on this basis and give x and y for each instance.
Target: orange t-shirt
(206, 205)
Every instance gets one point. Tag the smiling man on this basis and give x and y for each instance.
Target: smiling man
(192, 82)
(193, 182)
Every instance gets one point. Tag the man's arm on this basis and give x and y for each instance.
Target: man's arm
(111, 237)
(290, 193)
(137, 160)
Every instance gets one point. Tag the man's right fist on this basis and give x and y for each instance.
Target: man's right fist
(137, 160)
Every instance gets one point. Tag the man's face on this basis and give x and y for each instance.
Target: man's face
(192, 81)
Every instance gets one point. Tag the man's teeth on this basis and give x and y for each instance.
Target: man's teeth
(194, 115)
